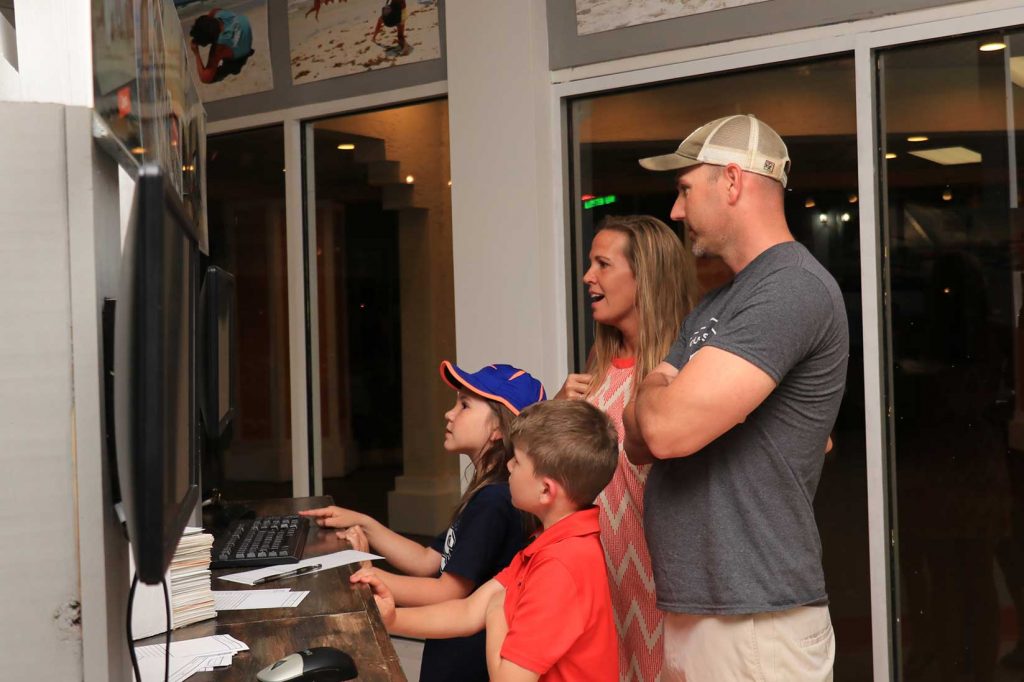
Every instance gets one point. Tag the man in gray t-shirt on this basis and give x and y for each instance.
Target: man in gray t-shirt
(736, 422)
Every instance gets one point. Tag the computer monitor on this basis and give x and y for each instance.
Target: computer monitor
(217, 359)
(155, 407)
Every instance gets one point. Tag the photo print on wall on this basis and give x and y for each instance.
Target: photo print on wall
(594, 16)
(331, 38)
(229, 46)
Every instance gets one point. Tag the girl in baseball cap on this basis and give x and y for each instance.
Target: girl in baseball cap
(485, 532)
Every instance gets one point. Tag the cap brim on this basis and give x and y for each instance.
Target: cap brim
(452, 376)
(667, 162)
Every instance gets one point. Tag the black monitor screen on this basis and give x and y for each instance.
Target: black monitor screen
(155, 408)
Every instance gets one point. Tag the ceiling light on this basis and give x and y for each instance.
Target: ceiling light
(409, 179)
(449, 183)
(917, 138)
(947, 194)
(809, 202)
(822, 218)
(853, 198)
(890, 155)
(138, 150)
(346, 146)
(845, 217)
(993, 46)
(949, 156)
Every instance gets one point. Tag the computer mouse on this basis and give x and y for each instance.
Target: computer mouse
(316, 664)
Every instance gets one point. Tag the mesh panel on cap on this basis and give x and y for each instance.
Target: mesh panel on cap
(770, 145)
(735, 133)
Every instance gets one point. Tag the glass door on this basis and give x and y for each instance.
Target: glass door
(950, 118)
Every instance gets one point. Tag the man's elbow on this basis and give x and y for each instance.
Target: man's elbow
(665, 447)
(664, 440)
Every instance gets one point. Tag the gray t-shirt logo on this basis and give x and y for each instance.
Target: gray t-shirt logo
(703, 334)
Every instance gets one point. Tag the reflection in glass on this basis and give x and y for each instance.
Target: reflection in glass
(386, 302)
(245, 181)
(952, 222)
(812, 105)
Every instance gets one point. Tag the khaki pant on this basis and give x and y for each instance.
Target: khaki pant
(797, 645)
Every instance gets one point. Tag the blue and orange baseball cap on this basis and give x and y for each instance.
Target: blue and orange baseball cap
(514, 388)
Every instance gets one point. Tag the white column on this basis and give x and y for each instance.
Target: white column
(508, 237)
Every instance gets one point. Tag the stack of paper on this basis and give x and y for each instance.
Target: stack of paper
(188, 581)
(187, 657)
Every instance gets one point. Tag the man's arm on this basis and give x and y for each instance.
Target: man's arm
(633, 443)
(715, 391)
(454, 618)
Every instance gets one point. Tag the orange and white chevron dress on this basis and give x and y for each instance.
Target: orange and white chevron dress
(637, 619)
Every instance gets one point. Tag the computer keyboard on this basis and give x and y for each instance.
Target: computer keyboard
(263, 541)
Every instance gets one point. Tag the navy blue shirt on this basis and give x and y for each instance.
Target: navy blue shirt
(479, 544)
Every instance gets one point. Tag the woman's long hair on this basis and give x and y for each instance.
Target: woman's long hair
(492, 467)
(666, 291)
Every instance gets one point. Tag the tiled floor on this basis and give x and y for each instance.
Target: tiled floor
(409, 653)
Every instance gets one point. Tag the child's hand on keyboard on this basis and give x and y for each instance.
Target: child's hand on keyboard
(334, 517)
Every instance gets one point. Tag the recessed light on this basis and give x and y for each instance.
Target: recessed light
(345, 146)
(809, 202)
(138, 150)
(409, 179)
(947, 194)
(890, 155)
(853, 198)
(993, 46)
(917, 138)
(845, 217)
(822, 217)
(949, 156)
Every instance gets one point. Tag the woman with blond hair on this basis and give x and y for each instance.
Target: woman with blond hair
(641, 283)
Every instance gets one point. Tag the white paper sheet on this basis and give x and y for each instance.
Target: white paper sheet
(235, 600)
(187, 657)
(348, 556)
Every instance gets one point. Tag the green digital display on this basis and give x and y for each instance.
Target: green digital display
(600, 201)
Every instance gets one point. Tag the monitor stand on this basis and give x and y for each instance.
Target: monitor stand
(218, 513)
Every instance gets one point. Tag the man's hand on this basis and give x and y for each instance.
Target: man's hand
(633, 444)
(381, 595)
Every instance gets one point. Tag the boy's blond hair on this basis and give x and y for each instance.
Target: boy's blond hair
(572, 442)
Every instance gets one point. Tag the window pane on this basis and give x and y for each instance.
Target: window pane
(812, 105)
(386, 303)
(245, 181)
(952, 222)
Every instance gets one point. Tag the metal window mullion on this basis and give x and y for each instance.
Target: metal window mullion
(871, 250)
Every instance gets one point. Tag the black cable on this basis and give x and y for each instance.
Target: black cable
(167, 648)
(128, 628)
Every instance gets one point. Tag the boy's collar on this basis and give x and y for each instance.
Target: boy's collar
(577, 524)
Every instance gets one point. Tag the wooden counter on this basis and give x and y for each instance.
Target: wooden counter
(333, 614)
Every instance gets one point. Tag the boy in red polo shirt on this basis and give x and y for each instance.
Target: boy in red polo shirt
(548, 615)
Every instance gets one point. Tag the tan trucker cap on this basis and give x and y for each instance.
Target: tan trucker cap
(740, 139)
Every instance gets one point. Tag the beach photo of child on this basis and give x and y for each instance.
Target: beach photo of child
(229, 46)
(331, 38)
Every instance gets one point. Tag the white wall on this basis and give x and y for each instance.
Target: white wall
(508, 239)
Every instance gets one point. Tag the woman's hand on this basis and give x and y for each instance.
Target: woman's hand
(334, 517)
(575, 387)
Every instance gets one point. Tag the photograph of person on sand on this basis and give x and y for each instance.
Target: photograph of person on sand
(229, 46)
(331, 38)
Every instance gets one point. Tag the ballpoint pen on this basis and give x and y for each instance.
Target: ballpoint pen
(287, 574)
